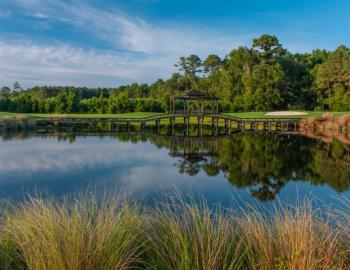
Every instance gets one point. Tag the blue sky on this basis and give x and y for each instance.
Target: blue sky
(109, 43)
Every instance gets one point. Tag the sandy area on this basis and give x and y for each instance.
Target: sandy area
(285, 113)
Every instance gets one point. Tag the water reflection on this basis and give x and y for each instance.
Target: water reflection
(262, 163)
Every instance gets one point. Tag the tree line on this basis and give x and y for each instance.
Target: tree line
(262, 77)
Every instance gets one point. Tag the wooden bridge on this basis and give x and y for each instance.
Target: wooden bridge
(230, 123)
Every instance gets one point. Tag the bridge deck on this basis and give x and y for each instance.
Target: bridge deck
(158, 118)
(230, 123)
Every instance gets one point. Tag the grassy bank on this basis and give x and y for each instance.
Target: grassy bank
(139, 115)
(136, 115)
(115, 234)
(258, 115)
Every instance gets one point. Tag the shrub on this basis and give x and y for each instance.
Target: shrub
(328, 117)
(344, 120)
(20, 117)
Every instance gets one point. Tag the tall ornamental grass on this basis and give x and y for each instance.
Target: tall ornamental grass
(177, 235)
(85, 235)
(190, 236)
(295, 239)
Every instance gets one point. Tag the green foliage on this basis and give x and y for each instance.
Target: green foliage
(262, 77)
(269, 47)
(212, 63)
(333, 80)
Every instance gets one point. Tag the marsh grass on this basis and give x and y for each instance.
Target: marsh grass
(85, 235)
(115, 234)
(190, 236)
(326, 121)
(296, 239)
(327, 128)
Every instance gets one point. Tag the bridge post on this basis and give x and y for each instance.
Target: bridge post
(173, 120)
(278, 125)
(265, 126)
(158, 126)
(172, 125)
(128, 126)
(229, 126)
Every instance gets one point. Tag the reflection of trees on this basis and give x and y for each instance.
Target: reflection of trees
(191, 167)
(211, 166)
(265, 163)
(261, 163)
(331, 165)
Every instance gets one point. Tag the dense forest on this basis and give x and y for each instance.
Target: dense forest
(263, 77)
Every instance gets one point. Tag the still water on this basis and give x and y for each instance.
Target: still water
(226, 170)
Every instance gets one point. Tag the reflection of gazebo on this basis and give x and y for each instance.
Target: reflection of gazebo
(194, 148)
(197, 96)
(194, 153)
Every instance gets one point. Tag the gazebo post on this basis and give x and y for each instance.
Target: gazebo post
(187, 108)
(174, 107)
(202, 109)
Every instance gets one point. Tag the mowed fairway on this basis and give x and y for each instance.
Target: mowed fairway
(133, 115)
(262, 115)
(143, 115)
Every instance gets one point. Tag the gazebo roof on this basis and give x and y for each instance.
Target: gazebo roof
(196, 94)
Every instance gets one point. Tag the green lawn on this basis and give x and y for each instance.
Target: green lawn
(7, 115)
(134, 115)
(138, 115)
(256, 115)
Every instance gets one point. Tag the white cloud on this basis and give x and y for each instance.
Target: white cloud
(40, 15)
(140, 51)
(34, 64)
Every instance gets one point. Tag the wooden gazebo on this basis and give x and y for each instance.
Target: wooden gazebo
(200, 98)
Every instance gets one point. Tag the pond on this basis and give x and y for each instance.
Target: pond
(230, 170)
